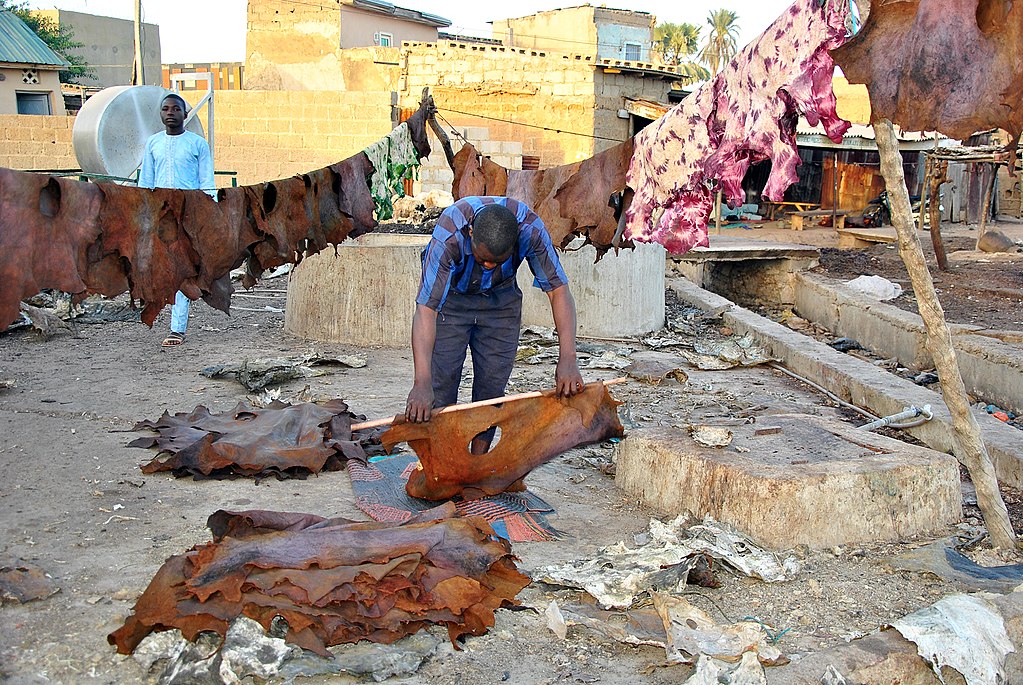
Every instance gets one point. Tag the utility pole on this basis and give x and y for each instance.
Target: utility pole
(138, 72)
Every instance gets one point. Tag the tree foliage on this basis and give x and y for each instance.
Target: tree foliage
(675, 43)
(60, 39)
(722, 41)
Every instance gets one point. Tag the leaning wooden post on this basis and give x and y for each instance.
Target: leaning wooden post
(965, 431)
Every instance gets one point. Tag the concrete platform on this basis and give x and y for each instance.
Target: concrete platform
(795, 479)
(621, 295)
(364, 295)
(862, 383)
(747, 271)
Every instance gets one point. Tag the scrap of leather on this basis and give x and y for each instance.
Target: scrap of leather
(282, 440)
(572, 199)
(745, 114)
(533, 431)
(947, 65)
(63, 216)
(332, 581)
(103, 238)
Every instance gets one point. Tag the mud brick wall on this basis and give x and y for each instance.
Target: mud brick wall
(36, 142)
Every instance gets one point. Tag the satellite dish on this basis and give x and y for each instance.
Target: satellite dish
(112, 128)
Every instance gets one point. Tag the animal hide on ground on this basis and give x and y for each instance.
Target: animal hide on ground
(954, 66)
(333, 581)
(281, 440)
(533, 431)
(745, 114)
(582, 198)
(104, 238)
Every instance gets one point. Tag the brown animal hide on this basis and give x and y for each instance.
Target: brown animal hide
(64, 220)
(573, 199)
(477, 175)
(104, 238)
(281, 440)
(333, 582)
(954, 66)
(533, 431)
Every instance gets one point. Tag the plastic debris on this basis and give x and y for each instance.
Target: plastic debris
(965, 632)
(617, 575)
(711, 436)
(877, 287)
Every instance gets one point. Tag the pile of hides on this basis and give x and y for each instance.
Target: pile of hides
(332, 581)
(533, 431)
(745, 114)
(104, 238)
(933, 65)
(281, 440)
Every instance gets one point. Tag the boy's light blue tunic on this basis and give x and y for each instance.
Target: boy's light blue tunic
(182, 161)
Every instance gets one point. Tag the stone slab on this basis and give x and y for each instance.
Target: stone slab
(806, 480)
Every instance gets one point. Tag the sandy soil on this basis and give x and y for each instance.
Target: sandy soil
(74, 502)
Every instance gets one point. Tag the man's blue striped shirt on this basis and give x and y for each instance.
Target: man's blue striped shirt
(448, 262)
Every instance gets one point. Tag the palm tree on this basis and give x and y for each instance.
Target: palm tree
(674, 43)
(722, 42)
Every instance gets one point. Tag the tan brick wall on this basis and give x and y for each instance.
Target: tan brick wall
(36, 142)
(264, 135)
(485, 86)
(260, 135)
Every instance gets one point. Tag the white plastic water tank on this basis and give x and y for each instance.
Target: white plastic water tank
(111, 130)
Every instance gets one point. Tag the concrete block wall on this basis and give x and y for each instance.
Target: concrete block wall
(489, 85)
(36, 142)
(264, 135)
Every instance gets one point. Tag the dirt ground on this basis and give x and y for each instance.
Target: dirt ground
(978, 288)
(74, 502)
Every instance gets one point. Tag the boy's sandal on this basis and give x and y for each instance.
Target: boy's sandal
(174, 339)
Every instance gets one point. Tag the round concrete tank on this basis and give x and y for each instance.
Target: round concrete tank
(365, 295)
(111, 130)
(621, 295)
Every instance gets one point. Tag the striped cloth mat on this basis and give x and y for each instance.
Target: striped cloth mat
(380, 492)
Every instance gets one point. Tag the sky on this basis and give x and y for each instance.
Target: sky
(214, 30)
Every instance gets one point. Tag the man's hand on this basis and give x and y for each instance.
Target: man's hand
(567, 378)
(419, 405)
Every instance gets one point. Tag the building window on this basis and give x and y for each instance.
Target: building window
(33, 103)
(384, 40)
(30, 76)
(633, 52)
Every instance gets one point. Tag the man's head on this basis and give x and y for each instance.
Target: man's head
(494, 231)
(173, 109)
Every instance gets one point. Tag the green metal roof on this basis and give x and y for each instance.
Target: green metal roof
(20, 45)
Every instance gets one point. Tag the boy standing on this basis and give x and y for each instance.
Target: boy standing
(176, 158)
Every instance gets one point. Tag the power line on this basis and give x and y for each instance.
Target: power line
(521, 123)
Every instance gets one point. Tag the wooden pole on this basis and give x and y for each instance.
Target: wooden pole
(717, 211)
(938, 174)
(387, 421)
(985, 208)
(969, 446)
(138, 76)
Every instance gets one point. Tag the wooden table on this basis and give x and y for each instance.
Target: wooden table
(773, 208)
(796, 218)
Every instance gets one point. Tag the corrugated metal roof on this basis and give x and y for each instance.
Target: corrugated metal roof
(20, 45)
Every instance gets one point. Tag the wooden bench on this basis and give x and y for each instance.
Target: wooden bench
(772, 209)
(796, 218)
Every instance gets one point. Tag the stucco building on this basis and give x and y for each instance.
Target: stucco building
(109, 47)
(602, 32)
(29, 70)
